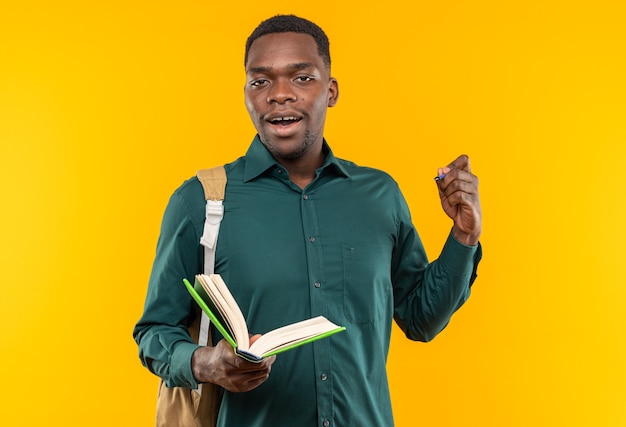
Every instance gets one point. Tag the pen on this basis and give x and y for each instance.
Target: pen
(440, 177)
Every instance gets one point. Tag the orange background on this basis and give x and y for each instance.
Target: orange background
(106, 107)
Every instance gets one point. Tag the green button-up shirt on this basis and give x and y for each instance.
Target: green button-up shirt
(344, 248)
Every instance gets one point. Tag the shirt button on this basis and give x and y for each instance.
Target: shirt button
(323, 377)
(317, 284)
(305, 197)
(312, 239)
(326, 423)
(279, 170)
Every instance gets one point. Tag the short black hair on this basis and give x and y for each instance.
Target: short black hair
(295, 24)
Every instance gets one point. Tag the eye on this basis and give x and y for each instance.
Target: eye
(258, 83)
(304, 78)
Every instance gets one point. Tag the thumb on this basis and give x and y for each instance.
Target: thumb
(462, 162)
(253, 338)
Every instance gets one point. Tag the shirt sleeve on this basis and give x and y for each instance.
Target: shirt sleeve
(426, 295)
(165, 346)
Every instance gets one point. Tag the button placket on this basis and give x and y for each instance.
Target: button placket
(321, 348)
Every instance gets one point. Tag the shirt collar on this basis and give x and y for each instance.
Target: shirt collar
(259, 160)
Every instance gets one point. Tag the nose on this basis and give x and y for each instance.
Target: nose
(281, 91)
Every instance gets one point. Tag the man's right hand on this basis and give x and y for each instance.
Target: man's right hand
(220, 365)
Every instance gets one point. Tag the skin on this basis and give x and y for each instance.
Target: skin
(458, 192)
(220, 365)
(286, 77)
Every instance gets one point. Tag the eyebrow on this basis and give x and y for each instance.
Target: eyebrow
(295, 66)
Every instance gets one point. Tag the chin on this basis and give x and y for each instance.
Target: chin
(287, 153)
(294, 147)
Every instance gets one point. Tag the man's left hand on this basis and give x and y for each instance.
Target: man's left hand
(458, 192)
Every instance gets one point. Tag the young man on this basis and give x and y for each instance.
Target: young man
(305, 234)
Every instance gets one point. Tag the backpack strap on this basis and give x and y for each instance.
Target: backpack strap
(214, 183)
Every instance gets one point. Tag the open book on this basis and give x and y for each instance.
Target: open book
(213, 296)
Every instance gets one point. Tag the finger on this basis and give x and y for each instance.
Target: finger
(242, 382)
(457, 180)
(454, 199)
(441, 173)
(255, 382)
(465, 183)
(255, 377)
(240, 365)
(260, 373)
(460, 198)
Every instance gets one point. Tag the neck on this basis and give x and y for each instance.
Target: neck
(302, 170)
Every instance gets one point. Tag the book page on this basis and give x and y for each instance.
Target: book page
(289, 335)
(228, 308)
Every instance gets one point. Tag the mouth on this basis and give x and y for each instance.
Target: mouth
(283, 121)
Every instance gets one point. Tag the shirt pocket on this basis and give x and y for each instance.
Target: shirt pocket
(367, 295)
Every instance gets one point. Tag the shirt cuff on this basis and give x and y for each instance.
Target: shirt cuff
(181, 374)
(460, 259)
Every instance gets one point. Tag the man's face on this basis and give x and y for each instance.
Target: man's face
(287, 92)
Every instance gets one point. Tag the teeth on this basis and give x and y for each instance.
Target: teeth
(281, 119)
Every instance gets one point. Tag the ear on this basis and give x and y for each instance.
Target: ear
(333, 92)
